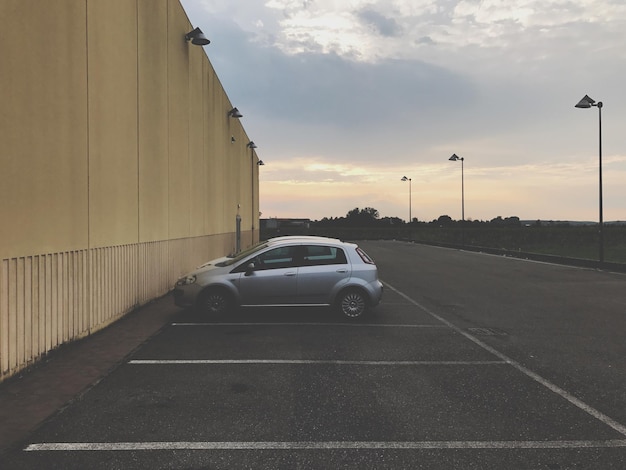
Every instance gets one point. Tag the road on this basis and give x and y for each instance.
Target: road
(471, 361)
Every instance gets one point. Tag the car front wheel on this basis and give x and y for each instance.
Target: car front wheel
(352, 303)
(214, 303)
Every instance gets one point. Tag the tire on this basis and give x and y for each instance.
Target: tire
(214, 303)
(352, 303)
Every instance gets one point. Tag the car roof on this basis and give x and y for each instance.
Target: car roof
(287, 238)
(304, 239)
(293, 237)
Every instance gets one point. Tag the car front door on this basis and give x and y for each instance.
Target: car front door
(272, 280)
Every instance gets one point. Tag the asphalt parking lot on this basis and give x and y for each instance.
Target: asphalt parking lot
(470, 361)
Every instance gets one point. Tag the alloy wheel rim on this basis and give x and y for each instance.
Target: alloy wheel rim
(353, 305)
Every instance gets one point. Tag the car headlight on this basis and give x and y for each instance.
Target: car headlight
(184, 281)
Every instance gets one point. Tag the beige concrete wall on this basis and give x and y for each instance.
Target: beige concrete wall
(153, 122)
(43, 127)
(112, 85)
(117, 169)
(198, 162)
(178, 131)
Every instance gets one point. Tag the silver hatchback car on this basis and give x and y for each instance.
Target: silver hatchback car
(285, 271)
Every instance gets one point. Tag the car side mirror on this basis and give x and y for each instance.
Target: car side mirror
(250, 269)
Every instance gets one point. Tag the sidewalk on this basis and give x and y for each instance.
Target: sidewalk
(32, 396)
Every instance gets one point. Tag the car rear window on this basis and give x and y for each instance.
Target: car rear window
(314, 255)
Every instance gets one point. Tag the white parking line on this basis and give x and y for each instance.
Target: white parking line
(536, 377)
(331, 445)
(305, 361)
(357, 445)
(352, 325)
(536, 261)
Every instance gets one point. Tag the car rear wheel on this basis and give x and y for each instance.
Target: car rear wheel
(214, 303)
(352, 303)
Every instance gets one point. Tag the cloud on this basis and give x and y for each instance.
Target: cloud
(427, 40)
(316, 98)
(546, 190)
(343, 98)
(326, 88)
(381, 24)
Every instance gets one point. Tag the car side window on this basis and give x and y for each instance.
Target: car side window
(282, 257)
(319, 255)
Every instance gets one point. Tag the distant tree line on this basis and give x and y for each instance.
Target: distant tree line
(370, 217)
(560, 238)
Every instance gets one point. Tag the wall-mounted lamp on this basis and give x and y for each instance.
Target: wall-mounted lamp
(197, 37)
(232, 139)
(234, 113)
(260, 163)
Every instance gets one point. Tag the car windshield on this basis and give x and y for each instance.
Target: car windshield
(239, 256)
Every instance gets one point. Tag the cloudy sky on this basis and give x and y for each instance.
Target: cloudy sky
(345, 97)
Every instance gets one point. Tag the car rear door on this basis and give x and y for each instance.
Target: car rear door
(323, 270)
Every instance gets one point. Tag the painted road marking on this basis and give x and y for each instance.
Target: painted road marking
(331, 445)
(363, 445)
(367, 325)
(536, 377)
(304, 361)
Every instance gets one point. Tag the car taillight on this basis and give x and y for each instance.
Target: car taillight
(364, 256)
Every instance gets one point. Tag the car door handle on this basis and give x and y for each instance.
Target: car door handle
(290, 273)
(342, 271)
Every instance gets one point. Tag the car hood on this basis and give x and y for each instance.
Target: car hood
(213, 262)
(204, 269)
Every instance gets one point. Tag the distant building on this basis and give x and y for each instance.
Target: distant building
(275, 226)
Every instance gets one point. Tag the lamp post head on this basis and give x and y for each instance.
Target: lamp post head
(587, 102)
(404, 178)
(260, 163)
(455, 158)
(251, 145)
(234, 113)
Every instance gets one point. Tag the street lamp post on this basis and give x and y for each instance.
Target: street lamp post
(585, 103)
(251, 145)
(404, 178)
(455, 158)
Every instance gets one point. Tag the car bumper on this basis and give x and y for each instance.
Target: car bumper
(184, 298)
(378, 290)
